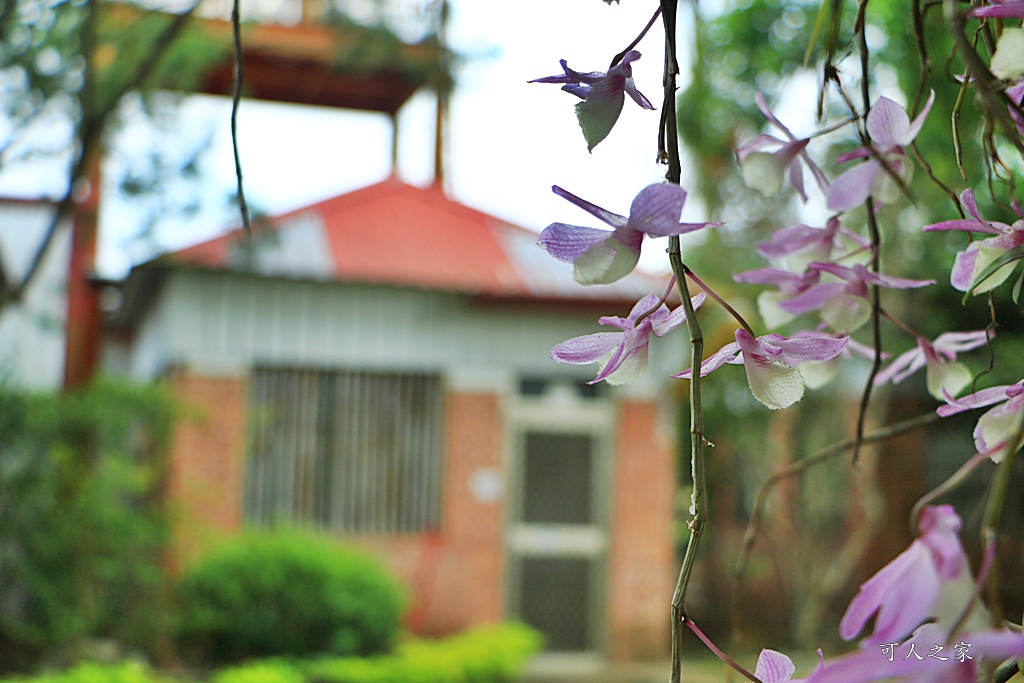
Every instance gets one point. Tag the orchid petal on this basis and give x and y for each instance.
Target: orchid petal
(913, 567)
(964, 267)
(726, 354)
(605, 262)
(588, 349)
(627, 360)
(951, 377)
(996, 426)
(1008, 60)
(846, 313)
(904, 364)
(888, 123)
(656, 210)
(772, 382)
(598, 113)
(853, 187)
(964, 224)
(612, 219)
(811, 348)
(769, 305)
(978, 399)
(774, 667)
(568, 242)
(918, 122)
(814, 298)
(956, 342)
(663, 326)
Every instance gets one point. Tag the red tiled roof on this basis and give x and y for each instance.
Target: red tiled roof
(397, 234)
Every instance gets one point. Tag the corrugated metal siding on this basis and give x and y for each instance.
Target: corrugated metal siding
(352, 451)
(251, 321)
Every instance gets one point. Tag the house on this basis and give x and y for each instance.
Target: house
(377, 365)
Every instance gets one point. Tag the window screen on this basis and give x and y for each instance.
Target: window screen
(352, 451)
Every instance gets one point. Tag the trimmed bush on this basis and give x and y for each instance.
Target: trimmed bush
(269, 594)
(489, 654)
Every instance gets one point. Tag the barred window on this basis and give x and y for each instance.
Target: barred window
(350, 451)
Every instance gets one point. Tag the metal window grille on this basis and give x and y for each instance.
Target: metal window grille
(351, 451)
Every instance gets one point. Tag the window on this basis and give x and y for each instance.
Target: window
(350, 451)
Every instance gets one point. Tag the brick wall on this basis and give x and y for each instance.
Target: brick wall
(642, 562)
(457, 575)
(204, 481)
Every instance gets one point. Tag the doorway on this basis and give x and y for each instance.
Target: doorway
(557, 532)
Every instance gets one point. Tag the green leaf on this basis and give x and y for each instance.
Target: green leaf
(1011, 255)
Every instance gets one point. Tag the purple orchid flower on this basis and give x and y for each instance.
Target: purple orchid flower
(891, 130)
(970, 262)
(600, 257)
(999, 424)
(1006, 9)
(924, 658)
(904, 592)
(764, 171)
(603, 94)
(623, 354)
(844, 305)
(945, 376)
(770, 362)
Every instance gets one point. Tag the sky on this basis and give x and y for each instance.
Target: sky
(509, 141)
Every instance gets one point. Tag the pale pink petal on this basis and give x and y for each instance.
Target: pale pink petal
(962, 275)
(612, 219)
(656, 210)
(663, 326)
(888, 123)
(568, 242)
(587, 349)
(726, 354)
(979, 399)
(901, 367)
(812, 299)
(904, 589)
(774, 667)
(918, 122)
(852, 188)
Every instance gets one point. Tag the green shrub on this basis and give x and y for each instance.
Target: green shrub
(490, 654)
(267, 594)
(273, 671)
(89, 672)
(82, 523)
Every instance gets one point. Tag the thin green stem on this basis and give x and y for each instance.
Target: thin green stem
(668, 151)
(994, 512)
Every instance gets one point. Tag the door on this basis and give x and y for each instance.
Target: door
(557, 532)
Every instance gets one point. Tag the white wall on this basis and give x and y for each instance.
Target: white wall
(215, 322)
(32, 331)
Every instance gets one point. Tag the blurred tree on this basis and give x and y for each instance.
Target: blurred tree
(66, 66)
